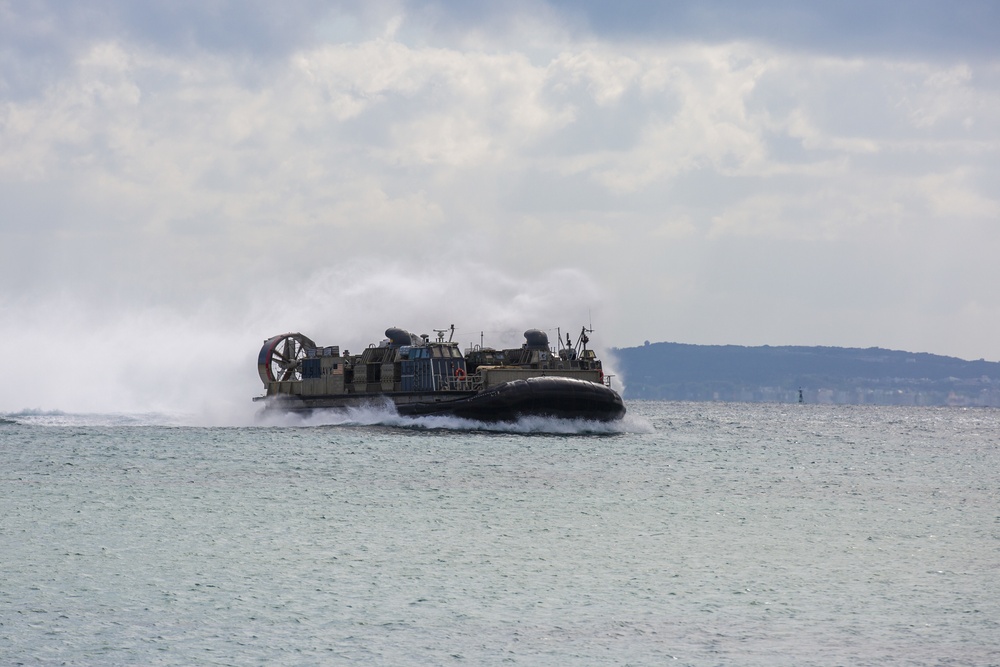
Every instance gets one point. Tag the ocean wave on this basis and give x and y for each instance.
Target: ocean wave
(59, 418)
(34, 412)
(386, 415)
(376, 415)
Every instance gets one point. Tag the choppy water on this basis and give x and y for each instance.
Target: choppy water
(693, 534)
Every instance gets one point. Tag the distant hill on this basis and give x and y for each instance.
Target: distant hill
(675, 371)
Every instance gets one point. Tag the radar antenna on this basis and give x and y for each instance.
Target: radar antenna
(441, 332)
(581, 342)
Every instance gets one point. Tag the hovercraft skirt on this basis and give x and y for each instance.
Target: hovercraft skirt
(548, 396)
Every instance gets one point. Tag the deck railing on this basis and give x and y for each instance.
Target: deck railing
(443, 382)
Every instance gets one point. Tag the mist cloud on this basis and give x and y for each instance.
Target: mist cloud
(81, 356)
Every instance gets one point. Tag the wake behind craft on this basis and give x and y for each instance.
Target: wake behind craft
(421, 376)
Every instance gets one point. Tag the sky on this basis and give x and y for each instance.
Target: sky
(180, 180)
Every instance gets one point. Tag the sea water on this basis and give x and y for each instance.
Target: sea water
(689, 534)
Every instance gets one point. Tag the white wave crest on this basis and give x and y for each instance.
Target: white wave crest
(386, 415)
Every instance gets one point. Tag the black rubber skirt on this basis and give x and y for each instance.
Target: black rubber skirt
(565, 398)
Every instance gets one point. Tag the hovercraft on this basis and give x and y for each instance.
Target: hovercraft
(421, 376)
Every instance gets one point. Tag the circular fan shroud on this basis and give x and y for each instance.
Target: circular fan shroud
(280, 358)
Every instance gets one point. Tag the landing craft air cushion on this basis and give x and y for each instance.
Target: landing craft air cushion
(423, 377)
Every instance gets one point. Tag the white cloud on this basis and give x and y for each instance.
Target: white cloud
(173, 176)
(952, 195)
